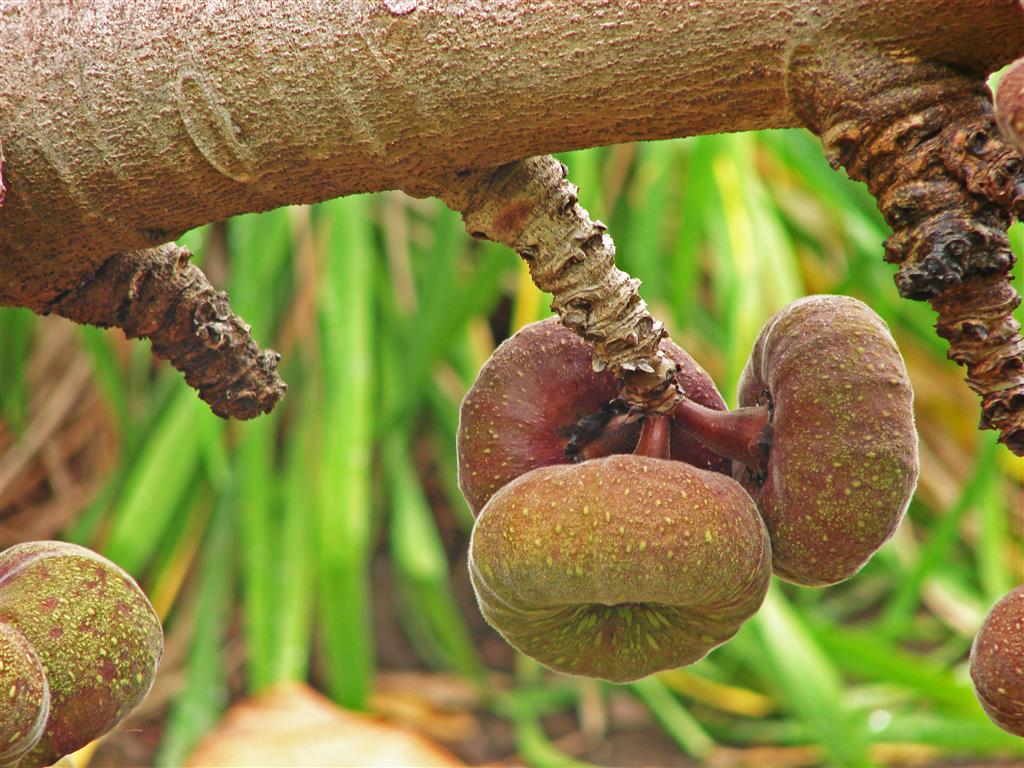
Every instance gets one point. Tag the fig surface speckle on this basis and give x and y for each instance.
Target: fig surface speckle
(24, 696)
(843, 461)
(628, 587)
(94, 631)
(997, 663)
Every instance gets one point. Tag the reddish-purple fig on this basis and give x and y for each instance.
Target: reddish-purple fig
(997, 663)
(1010, 105)
(94, 632)
(619, 567)
(824, 439)
(24, 696)
(539, 402)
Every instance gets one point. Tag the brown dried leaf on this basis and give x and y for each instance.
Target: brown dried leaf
(291, 724)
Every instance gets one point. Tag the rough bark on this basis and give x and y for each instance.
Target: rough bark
(159, 295)
(128, 122)
(923, 137)
(125, 123)
(532, 207)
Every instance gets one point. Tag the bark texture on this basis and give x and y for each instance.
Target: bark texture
(124, 123)
(158, 294)
(923, 137)
(127, 122)
(533, 208)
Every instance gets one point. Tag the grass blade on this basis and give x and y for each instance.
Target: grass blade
(421, 565)
(205, 694)
(677, 722)
(809, 683)
(160, 478)
(347, 335)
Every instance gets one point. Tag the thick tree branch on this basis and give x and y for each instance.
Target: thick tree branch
(127, 122)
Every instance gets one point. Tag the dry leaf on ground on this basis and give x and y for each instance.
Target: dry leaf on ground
(293, 725)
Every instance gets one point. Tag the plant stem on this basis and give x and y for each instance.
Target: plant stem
(743, 435)
(923, 138)
(654, 437)
(531, 207)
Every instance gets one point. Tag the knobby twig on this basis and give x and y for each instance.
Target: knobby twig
(159, 294)
(531, 207)
(923, 138)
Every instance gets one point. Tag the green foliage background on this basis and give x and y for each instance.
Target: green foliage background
(385, 309)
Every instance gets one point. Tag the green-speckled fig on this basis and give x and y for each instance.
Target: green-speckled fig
(94, 631)
(24, 696)
(539, 402)
(997, 663)
(842, 458)
(619, 567)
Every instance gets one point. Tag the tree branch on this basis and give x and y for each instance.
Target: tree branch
(158, 294)
(128, 122)
(923, 138)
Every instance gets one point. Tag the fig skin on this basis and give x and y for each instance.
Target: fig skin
(25, 696)
(997, 663)
(96, 634)
(1010, 105)
(532, 393)
(619, 567)
(843, 462)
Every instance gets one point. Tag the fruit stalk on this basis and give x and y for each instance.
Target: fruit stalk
(923, 137)
(531, 207)
(655, 435)
(743, 435)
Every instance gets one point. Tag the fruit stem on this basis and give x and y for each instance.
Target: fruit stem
(655, 437)
(616, 434)
(532, 207)
(743, 435)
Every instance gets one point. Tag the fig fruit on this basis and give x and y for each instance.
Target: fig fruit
(843, 464)
(824, 439)
(538, 402)
(619, 567)
(94, 632)
(25, 696)
(997, 663)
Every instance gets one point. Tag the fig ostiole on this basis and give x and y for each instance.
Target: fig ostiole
(619, 567)
(997, 663)
(824, 438)
(538, 402)
(92, 630)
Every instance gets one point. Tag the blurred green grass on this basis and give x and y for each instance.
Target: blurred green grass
(385, 309)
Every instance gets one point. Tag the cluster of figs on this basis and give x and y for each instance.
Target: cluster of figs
(79, 649)
(614, 547)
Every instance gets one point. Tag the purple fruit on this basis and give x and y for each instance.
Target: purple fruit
(621, 566)
(997, 663)
(538, 402)
(824, 439)
(24, 696)
(94, 632)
